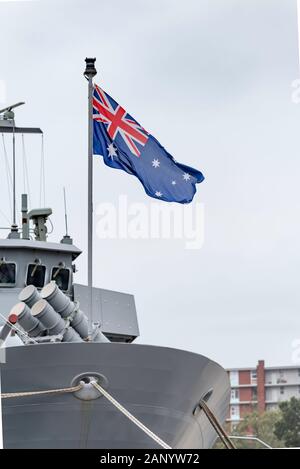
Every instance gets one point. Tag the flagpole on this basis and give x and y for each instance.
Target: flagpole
(89, 73)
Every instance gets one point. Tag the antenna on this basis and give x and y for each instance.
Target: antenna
(66, 238)
(9, 109)
(66, 214)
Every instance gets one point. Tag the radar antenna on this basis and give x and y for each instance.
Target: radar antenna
(8, 113)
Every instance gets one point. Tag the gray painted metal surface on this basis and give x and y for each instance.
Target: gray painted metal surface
(115, 311)
(160, 386)
(39, 245)
(19, 130)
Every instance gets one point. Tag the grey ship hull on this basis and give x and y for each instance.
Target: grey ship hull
(160, 386)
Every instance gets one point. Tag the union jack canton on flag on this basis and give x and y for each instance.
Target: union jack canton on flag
(125, 145)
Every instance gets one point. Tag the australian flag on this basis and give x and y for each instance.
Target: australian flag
(125, 144)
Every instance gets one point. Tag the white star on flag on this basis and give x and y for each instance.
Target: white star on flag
(173, 183)
(158, 194)
(112, 151)
(155, 163)
(186, 177)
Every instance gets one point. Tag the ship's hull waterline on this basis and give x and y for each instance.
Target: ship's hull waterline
(160, 386)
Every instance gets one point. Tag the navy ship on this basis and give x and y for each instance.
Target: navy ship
(71, 374)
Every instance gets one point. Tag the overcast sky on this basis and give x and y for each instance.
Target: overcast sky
(211, 79)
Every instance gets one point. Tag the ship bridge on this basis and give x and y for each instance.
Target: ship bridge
(26, 262)
(29, 262)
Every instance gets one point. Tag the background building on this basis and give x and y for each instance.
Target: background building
(261, 388)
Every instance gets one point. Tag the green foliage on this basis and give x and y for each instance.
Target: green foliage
(280, 428)
(261, 426)
(288, 427)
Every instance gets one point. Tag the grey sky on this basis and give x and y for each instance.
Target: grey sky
(212, 81)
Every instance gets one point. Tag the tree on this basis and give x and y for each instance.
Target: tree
(261, 426)
(288, 427)
(258, 425)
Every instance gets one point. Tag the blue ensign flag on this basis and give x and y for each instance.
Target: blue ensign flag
(125, 145)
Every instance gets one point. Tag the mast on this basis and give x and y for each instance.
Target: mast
(89, 73)
(14, 224)
(66, 213)
(7, 125)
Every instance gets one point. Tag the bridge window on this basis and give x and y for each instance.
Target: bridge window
(7, 274)
(36, 275)
(61, 276)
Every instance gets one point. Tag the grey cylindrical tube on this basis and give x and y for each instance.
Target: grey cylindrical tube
(48, 317)
(29, 295)
(71, 336)
(62, 304)
(57, 299)
(80, 324)
(29, 323)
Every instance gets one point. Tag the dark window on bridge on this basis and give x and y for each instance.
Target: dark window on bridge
(36, 275)
(62, 277)
(7, 273)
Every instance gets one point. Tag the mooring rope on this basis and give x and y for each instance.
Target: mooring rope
(9, 395)
(131, 417)
(202, 404)
(209, 414)
(216, 425)
(97, 386)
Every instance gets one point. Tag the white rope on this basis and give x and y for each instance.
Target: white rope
(113, 401)
(131, 417)
(10, 395)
